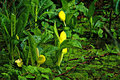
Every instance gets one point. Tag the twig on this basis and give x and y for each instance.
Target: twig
(74, 59)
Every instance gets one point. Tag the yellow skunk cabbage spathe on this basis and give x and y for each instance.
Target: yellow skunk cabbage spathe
(19, 62)
(61, 39)
(64, 50)
(62, 16)
(41, 59)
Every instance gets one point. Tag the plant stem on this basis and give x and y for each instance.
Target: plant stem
(60, 57)
(64, 23)
(38, 65)
(36, 14)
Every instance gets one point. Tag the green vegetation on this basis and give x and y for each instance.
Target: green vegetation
(59, 40)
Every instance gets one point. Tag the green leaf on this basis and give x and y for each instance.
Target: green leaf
(38, 77)
(45, 70)
(22, 20)
(71, 44)
(30, 76)
(31, 69)
(6, 75)
(48, 49)
(75, 36)
(32, 49)
(117, 7)
(107, 47)
(4, 21)
(22, 78)
(68, 17)
(36, 31)
(75, 43)
(82, 8)
(64, 5)
(44, 4)
(56, 31)
(46, 7)
(91, 9)
(67, 68)
(46, 37)
(20, 3)
(13, 24)
(100, 33)
(58, 78)
(79, 30)
(35, 1)
(45, 76)
(99, 24)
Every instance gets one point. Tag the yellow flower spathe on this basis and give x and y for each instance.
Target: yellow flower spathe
(62, 16)
(41, 59)
(62, 37)
(64, 51)
(19, 62)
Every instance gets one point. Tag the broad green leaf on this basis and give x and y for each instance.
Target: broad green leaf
(71, 44)
(75, 36)
(45, 76)
(75, 43)
(91, 9)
